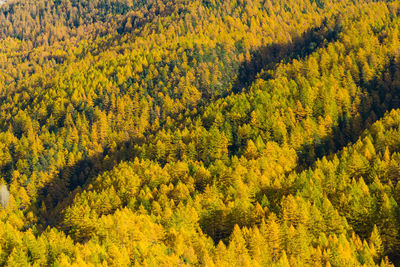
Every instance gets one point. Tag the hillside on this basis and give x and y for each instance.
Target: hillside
(205, 133)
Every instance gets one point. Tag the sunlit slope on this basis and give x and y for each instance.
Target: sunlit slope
(254, 133)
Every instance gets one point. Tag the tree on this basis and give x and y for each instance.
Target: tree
(375, 243)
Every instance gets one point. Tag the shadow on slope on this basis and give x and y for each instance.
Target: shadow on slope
(379, 95)
(59, 192)
(267, 57)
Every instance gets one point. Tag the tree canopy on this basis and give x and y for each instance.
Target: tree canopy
(205, 132)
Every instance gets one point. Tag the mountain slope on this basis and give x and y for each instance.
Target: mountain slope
(199, 132)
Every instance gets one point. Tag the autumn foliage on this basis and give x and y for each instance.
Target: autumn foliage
(205, 132)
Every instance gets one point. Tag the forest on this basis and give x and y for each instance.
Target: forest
(200, 133)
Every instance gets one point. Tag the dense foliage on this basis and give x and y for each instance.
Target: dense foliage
(206, 132)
